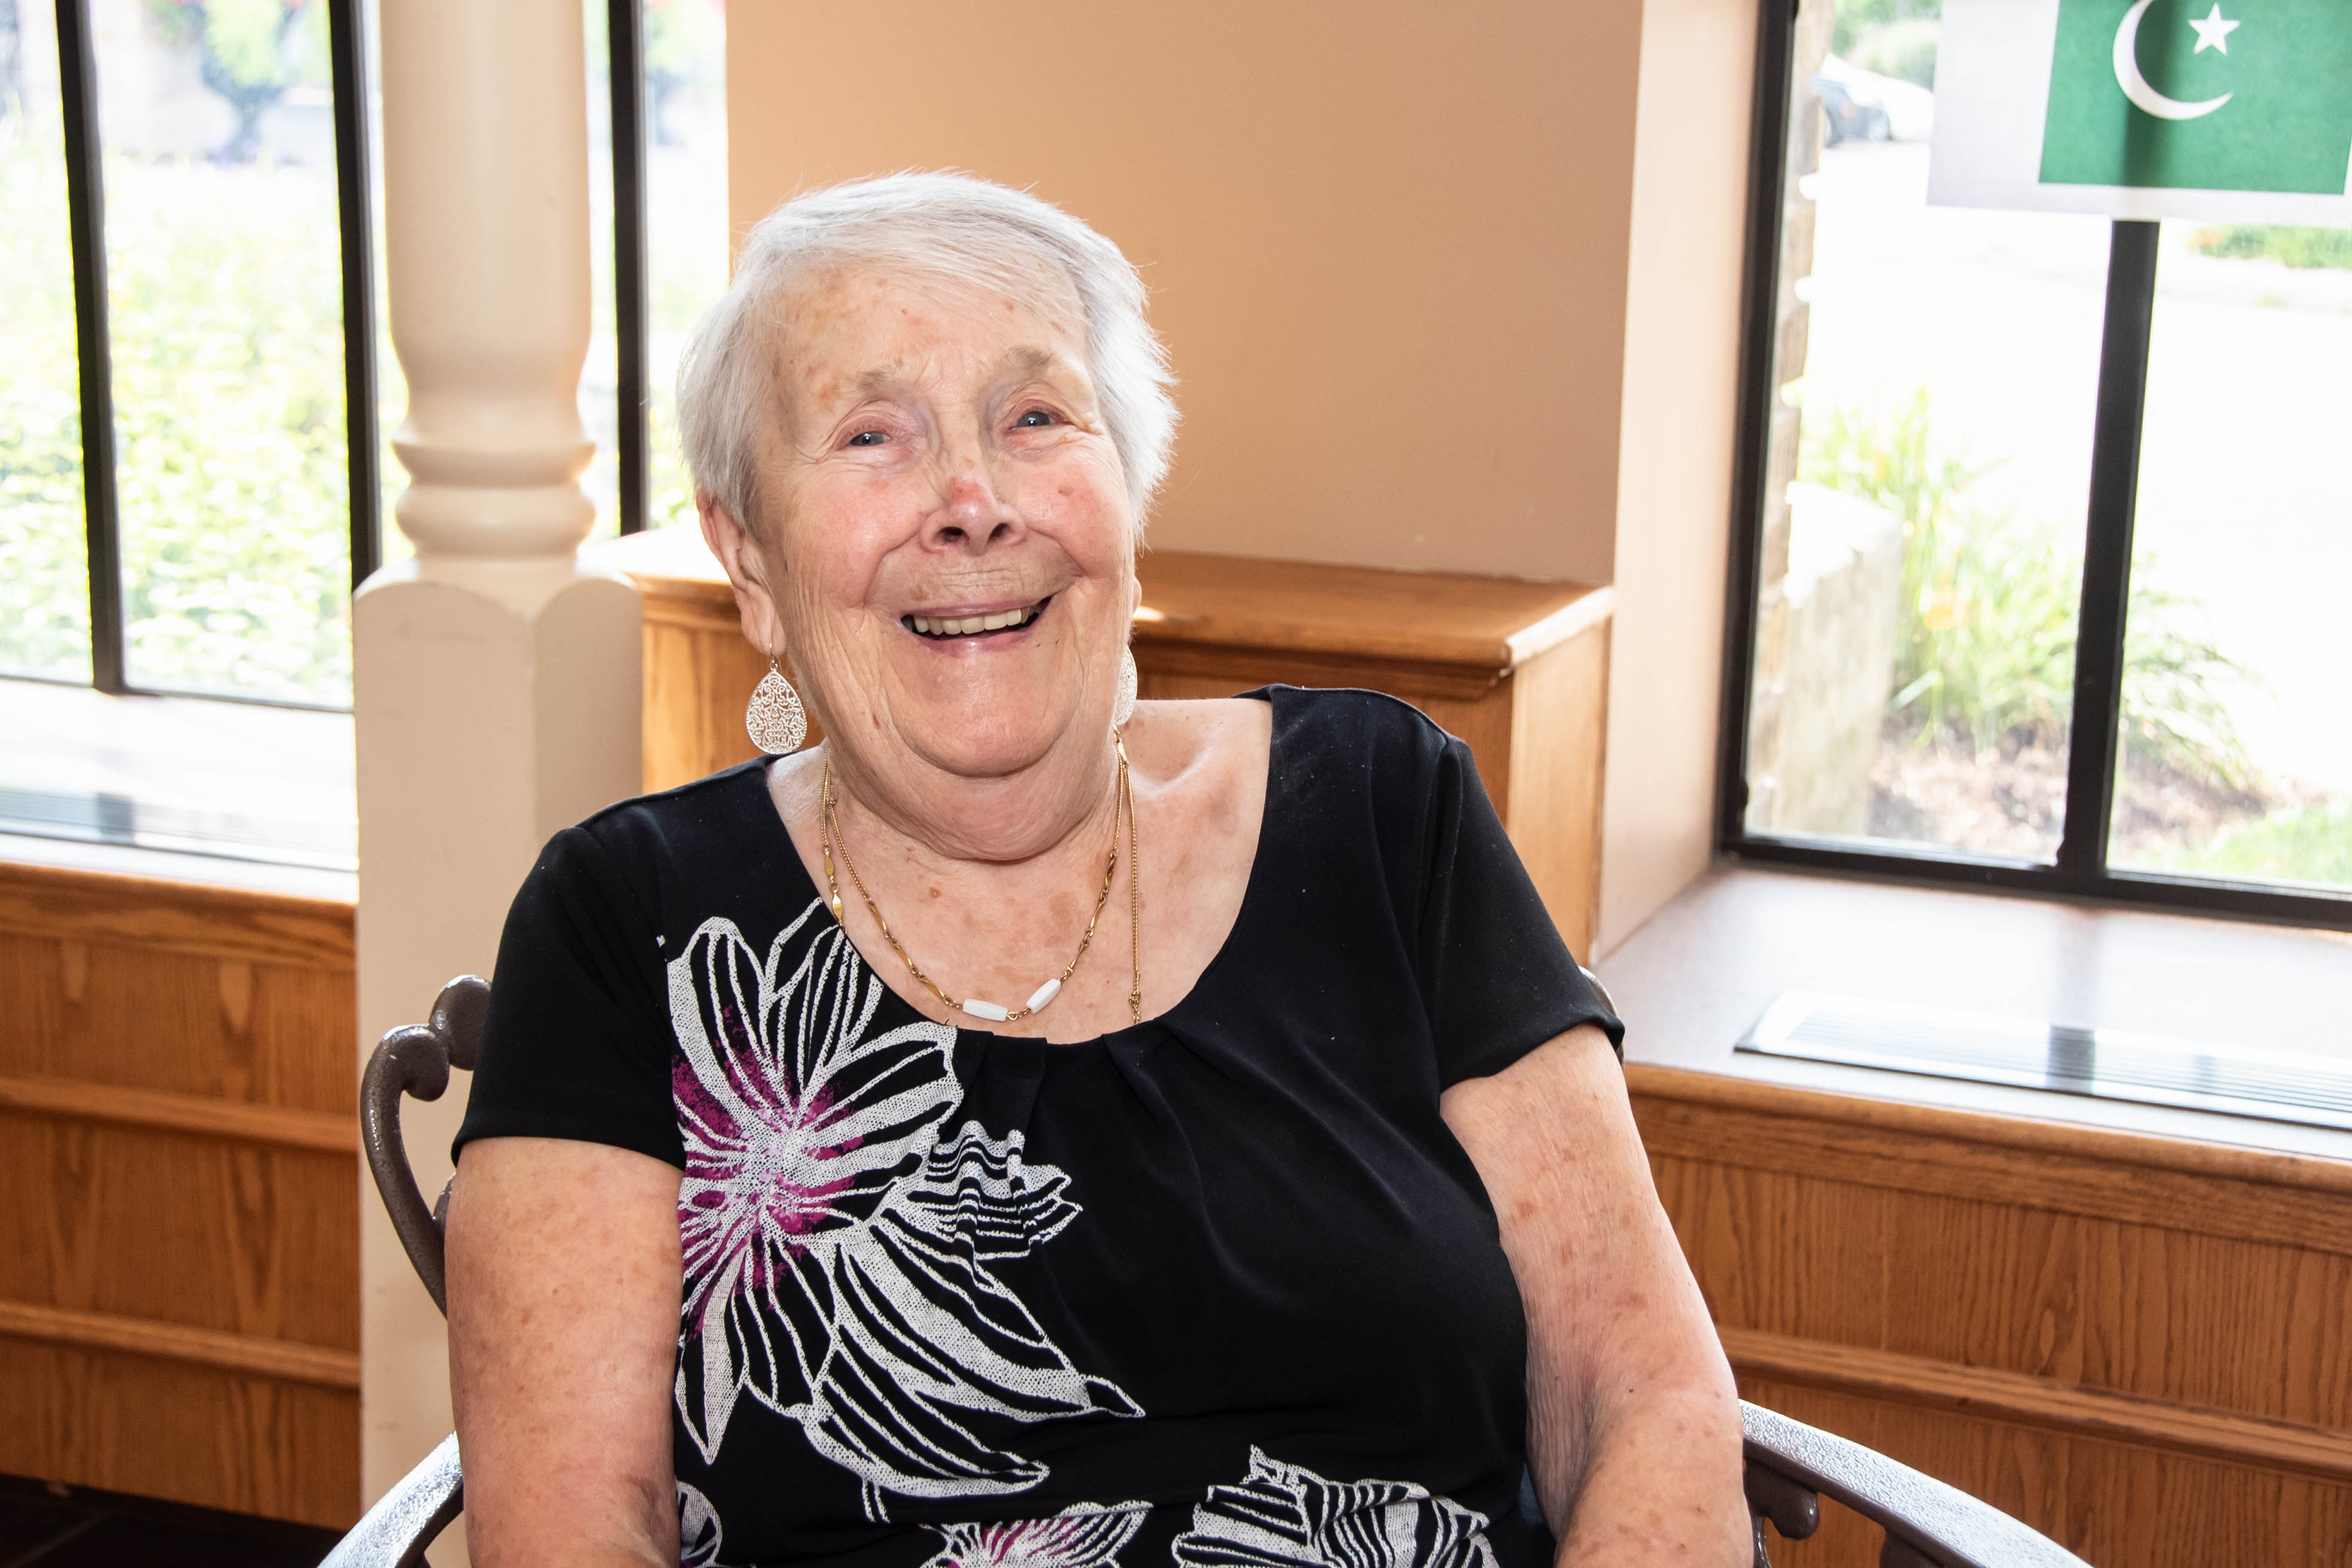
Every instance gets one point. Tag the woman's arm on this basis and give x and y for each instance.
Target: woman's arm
(1633, 1423)
(563, 1303)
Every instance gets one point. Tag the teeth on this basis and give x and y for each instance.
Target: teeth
(968, 625)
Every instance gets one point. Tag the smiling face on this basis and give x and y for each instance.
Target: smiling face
(945, 547)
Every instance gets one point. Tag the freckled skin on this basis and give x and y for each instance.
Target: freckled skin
(1633, 1423)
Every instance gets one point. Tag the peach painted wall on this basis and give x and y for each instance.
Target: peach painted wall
(1677, 428)
(1448, 287)
(1386, 241)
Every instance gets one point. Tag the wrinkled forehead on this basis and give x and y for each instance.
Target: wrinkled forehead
(839, 328)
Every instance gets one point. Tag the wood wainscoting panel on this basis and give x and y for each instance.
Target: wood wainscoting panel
(207, 992)
(2246, 1327)
(2115, 1505)
(2047, 1403)
(166, 1429)
(69, 1099)
(2289, 1200)
(283, 1360)
(1550, 793)
(198, 1231)
(174, 916)
(2140, 1346)
(179, 1182)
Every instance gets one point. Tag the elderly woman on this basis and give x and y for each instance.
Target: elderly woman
(1035, 1127)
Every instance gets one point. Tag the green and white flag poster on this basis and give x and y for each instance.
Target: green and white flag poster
(2222, 110)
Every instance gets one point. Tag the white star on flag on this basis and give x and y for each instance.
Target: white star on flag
(2212, 33)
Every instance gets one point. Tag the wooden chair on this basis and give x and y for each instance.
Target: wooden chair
(1790, 1466)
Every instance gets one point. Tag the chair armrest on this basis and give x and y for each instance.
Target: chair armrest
(407, 1520)
(415, 1061)
(1925, 1521)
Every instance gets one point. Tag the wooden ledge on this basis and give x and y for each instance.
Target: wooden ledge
(72, 905)
(316, 1131)
(2204, 1189)
(284, 1360)
(2021, 1399)
(1491, 625)
(2226, 1161)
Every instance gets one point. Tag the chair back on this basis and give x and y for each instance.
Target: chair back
(416, 1060)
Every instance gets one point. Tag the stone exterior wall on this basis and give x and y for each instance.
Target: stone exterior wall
(1787, 769)
(1839, 604)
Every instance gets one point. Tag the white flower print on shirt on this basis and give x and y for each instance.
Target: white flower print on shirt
(1285, 1516)
(1084, 1535)
(698, 1529)
(836, 1238)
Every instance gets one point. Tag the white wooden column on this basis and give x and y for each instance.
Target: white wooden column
(497, 681)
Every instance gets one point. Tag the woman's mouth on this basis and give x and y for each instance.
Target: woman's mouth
(942, 628)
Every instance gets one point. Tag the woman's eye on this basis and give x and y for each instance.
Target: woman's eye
(1035, 420)
(867, 438)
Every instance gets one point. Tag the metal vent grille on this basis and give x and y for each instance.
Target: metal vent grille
(2238, 1081)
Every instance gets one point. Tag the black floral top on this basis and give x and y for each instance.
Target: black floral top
(1220, 1288)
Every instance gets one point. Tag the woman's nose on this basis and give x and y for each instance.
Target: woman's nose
(971, 514)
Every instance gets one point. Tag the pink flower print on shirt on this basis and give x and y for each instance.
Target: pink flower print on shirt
(834, 1239)
(1084, 1535)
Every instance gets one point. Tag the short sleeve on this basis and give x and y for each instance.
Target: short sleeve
(577, 1041)
(1495, 976)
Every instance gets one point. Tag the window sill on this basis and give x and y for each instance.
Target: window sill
(1703, 970)
(166, 866)
(178, 789)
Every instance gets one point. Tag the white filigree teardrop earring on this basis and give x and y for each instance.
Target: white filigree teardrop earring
(1122, 707)
(774, 718)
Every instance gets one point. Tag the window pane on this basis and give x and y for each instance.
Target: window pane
(2237, 725)
(686, 232)
(44, 586)
(1936, 375)
(225, 290)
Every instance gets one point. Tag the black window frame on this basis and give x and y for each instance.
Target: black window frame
(354, 185)
(2081, 873)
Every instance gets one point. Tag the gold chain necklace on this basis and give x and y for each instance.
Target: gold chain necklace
(1122, 803)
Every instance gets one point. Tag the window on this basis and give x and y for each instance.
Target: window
(212, 192)
(2040, 532)
(197, 383)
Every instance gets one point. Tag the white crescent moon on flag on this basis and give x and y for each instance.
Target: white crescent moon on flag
(2135, 86)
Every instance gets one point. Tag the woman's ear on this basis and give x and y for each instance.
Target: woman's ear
(745, 563)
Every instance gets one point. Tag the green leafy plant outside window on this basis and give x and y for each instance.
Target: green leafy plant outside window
(252, 51)
(1985, 650)
(226, 316)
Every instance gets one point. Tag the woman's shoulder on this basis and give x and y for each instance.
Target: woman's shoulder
(1331, 759)
(653, 836)
(1335, 742)
(1350, 721)
(1304, 721)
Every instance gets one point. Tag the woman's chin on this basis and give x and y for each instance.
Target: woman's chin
(993, 739)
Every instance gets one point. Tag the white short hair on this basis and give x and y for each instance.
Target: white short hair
(947, 223)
